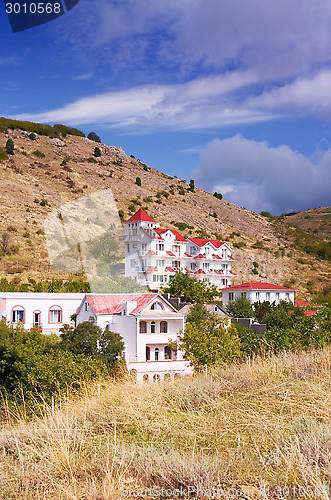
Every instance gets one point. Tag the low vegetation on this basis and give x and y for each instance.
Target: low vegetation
(250, 430)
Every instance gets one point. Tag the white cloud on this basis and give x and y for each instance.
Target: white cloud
(202, 103)
(264, 178)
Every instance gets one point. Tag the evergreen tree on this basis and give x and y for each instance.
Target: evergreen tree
(10, 146)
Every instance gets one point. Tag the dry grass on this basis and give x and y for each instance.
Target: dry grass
(267, 424)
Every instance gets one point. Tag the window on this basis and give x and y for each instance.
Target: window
(36, 318)
(157, 306)
(142, 327)
(175, 248)
(132, 263)
(55, 315)
(153, 327)
(148, 354)
(267, 296)
(205, 266)
(230, 295)
(156, 354)
(87, 306)
(287, 296)
(167, 352)
(257, 296)
(128, 247)
(17, 314)
(176, 264)
(158, 277)
(160, 247)
(163, 327)
(159, 263)
(243, 294)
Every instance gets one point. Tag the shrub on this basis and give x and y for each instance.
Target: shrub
(214, 214)
(218, 195)
(63, 163)
(238, 244)
(38, 153)
(32, 136)
(192, 186)
(43, 203)
(146, 168)
(10, 146)
(93, 137)
(268, 215)
(181, 190)
(97, 152)
(258, 244)
(3, 155)
(121, 214)
(138, 181)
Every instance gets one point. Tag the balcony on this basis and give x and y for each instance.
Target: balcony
(132, 237)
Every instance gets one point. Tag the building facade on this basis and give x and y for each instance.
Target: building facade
(47, 312)
(147, 323)
(153, 255)
(258, 292)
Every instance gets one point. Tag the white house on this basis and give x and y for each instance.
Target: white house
(258, 292)
(46, 311)
(153, 255)
(147, 322)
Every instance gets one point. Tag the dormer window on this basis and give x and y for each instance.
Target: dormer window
(157, 306)
(87, 306)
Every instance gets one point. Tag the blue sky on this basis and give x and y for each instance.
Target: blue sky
(236, 95)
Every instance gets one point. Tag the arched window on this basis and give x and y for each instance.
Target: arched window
(18, 314)
(156, 377)
(167, 376)
(146, 377)
(156, 354)
(55, 314)
(163, 327)
(142, 327)
(36, 318)
(153, 327)
(157, 306)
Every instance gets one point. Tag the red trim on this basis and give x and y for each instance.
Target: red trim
(11, 314)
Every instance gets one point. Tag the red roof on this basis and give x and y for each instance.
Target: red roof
(171, 254)
(178, 236)
(310, 313)
(139, 216)
(200, 271)
(151, 268)
(187, 254)
(234, 274)
(170, 269)
(200, 256)
(302, 303)
(258, 286)
(218, 272)
(151, 252)
(202, 242)
(112, 303)
(189, 271)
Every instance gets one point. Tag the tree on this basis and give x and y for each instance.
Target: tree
(90, 340)
(209, 343)
(97, 152)
(218, 195)
(192, 185)
(10, 146)
(94, 137)
(190, 290)
(138, 181)
(240, 308)
(198, 314)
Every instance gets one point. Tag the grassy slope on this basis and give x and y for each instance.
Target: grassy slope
(26, 180)
(244, 426)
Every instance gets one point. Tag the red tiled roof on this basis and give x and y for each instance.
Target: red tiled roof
(202, 242)
(234, 274)
(217, 256)
(218, 272)
(200, 256)
(170, 269)
(151, 252)
(151, 268)
(189, 271)
(171, 254)
(258, 286)
(187, 254)
(178, 236)
(310, 313)
(112, 303)
(200, 271)
(139, 216)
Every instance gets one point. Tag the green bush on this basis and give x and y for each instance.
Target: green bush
(138, 181)
(10, 146)
(63, 163)
(32, 136)
(218, 195)
(239, 244)
(97, 152)
(43, 203)
(93, 137)
(3, 155)
(38, 153)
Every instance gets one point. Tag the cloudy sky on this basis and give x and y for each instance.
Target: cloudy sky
(236, 95)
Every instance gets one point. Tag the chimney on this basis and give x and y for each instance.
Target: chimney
(128, 307)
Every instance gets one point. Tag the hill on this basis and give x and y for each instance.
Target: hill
(57, 165)
(316, 221)
(258, 430)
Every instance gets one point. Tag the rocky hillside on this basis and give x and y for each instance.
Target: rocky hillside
(45, 172)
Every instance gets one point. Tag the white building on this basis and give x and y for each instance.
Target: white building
(147, 322)
(258, 292)
(153, 255)
(46, 311)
